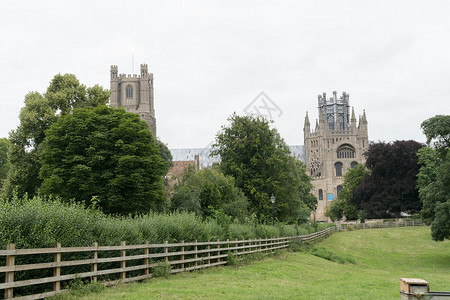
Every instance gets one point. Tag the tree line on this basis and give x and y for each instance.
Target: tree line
(70, 144)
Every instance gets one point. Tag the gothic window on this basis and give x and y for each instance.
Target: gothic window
(338, 167)
(320, 194)
(353, 164)
(339, 189)
(129, 91)
(346, 151)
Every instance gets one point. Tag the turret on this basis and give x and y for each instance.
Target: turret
(307, 126)
(114, 72)
(353, 120)
(144, 70)
(114, 99)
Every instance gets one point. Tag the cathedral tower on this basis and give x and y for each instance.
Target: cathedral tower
(336, 144)
(135, 94)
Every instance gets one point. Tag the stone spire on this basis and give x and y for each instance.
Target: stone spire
(364, 119)
(307, 120)
(307, 126)
(353, 120)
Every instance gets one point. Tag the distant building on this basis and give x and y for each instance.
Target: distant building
(336, 144)
(135, 94)
(176, 172)
(205, 160)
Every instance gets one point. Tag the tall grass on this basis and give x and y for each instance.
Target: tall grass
(41, 222)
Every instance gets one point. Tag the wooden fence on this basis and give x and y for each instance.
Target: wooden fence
(124, 263)
(348, 226)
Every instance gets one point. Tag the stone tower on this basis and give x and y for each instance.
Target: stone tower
(135, 94)
(336, 144)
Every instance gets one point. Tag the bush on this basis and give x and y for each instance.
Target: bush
(163, 269)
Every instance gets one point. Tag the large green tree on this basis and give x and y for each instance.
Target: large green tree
(4, 166)
(390, 187)
(434, 177)
(104, 153)
(40, 111)
(260, 161)
(342, 206)
(208, 190)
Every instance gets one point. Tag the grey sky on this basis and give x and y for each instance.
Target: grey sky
(211, 58)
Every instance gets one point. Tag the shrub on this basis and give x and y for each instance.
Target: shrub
(163, 269)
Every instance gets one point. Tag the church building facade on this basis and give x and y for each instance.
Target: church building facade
(135, 94)
(336, 144)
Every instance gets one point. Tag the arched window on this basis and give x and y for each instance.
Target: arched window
(338, 167)
(320, 194)
(129, 91)
(346, 151)
(339, 189)
(353, 164)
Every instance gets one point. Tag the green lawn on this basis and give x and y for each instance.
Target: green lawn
(382, 257)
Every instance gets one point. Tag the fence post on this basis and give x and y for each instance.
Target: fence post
(57, 270)
(166, 250)
(182, 255)
(9, 276)
(196, 254)
(146, 253)
(123, 263)
(228, 247)
(94, 264)
(218, 250)
(209, 254)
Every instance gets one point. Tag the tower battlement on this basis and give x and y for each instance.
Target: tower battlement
(134, 92)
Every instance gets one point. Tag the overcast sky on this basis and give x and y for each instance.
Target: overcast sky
(212, 58)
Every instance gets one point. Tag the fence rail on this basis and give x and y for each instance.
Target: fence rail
(124, 263)
(348, 226)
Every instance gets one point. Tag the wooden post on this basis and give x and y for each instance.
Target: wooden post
(123, 263)
(228, 246)
(146, 252)
(182, 255)
(236, 250)
(9, 276)
(196, 254)
(57, 270)
(412, 223)
(166, 250)
(94, 264)
(218, 250)
(209, 254)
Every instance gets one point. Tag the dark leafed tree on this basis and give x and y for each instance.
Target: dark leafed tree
(390, 186)
(434, 176)
(40, 111)
(104, 153)
(260, 161)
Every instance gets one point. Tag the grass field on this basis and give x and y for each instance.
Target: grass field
(381, 256)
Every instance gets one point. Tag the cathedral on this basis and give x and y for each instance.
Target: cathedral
(336, 144)
(135, 94)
